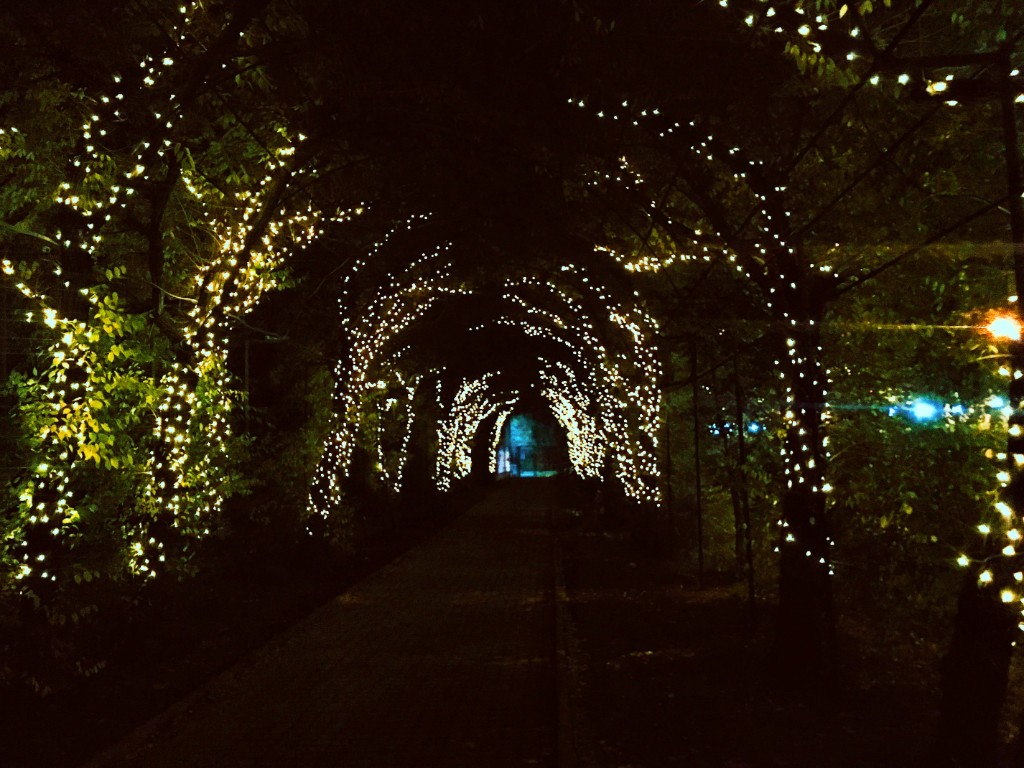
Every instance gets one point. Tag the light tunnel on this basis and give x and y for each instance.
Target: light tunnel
(437, 359)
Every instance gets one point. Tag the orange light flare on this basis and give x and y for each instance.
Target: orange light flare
(1004, 328)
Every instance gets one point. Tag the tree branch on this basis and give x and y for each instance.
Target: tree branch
(941, 234)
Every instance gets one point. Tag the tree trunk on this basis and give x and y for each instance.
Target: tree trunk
(976, 667)
(744, 492)
(6, 312)
(806, 611)
(975, 672)
(738, 541)
(806, 614)
(698, 491)
(735, 479)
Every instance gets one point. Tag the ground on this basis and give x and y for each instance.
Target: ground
(673, 675)
(654, 671)
(183, 637)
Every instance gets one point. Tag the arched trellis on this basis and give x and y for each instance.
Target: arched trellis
(620, 387)
(182, 481)
(573, 408)
(369, 327)
(602, 385)
(473, 404)
(496, 431)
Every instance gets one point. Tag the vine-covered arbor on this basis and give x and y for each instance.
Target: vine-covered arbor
(301, 254)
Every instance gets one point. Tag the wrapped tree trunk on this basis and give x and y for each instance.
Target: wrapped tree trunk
(806, 613)
(975, 673)
(976, 667)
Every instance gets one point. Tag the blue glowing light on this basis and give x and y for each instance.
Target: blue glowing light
(753, 428)
(922, 410)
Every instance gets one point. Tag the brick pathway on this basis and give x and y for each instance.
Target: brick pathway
(446, 657)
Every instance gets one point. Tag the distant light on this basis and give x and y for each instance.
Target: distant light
(753, 428)
(922, 410)
(1004, 327)
(957, 410)
(995, 402)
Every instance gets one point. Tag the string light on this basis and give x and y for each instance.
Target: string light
(471, 406)
(112, 403)
(771, 262)
(1001, 532)
(403, 297)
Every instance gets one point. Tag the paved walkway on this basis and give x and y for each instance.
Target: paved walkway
(446, 657)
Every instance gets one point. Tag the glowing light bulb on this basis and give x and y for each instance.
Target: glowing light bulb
(1004, 327)
(922, 410)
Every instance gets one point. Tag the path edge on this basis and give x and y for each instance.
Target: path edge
(575, 748)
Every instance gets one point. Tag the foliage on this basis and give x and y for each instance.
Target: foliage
(745, 186)
(142, 228)
(909, 491)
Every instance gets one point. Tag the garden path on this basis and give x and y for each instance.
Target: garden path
(445, 657)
